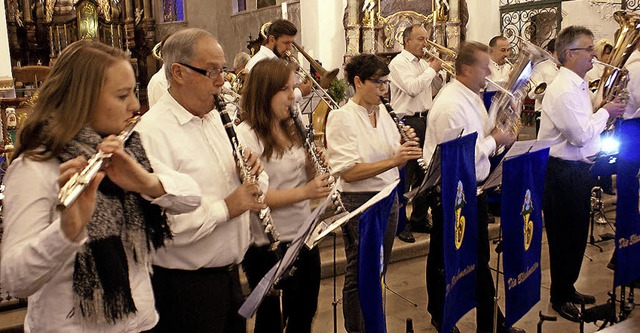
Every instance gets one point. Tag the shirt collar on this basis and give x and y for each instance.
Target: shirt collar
(182, 115)
(409, 56)
(268, 52)
(465, 90)
(572, 77)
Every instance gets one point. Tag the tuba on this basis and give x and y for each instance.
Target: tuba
(614, 78)
(507, 103)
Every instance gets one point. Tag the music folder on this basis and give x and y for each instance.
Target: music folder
(517, 149)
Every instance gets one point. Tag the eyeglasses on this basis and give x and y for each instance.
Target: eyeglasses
(379, 82)
(588, 49)
(212, 74)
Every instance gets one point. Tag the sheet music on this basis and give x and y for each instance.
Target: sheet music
(381, 195)
(518, 148)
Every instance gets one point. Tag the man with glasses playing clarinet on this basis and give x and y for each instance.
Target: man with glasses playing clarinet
(411, 77)
(195, 277)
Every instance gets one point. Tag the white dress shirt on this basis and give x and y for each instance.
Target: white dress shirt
(545, 72)
(633, 105)
(157, 86)
(38, 259)
(285, 172)
(568, 119)
(499, 73)
(267, 53)
(410, 84)
(198, 148)
(458, 106)
(351, 139)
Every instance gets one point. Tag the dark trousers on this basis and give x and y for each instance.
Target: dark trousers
(415, 174)
(566, 204)
(485, 288)
(353, 320)
(299, 291)
(203, 300)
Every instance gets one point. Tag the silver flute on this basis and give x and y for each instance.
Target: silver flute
(314, 154)
(264, 215)
(80, 180)
(423, 165)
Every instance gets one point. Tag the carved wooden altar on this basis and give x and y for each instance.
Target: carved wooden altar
(39, 30)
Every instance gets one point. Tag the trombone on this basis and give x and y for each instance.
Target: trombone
(326, 77)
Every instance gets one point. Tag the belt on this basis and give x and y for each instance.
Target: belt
(223, 269)
(422, 114)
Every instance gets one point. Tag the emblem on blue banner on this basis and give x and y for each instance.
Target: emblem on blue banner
(460, 220)
(527, 209)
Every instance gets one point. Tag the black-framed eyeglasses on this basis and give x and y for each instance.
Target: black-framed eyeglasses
(380, 82)
(212, 74)
(588, 49)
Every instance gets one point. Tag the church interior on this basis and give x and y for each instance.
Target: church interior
(34, 33)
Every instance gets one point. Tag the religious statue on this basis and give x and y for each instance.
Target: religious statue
(139, 12)
(368, 10)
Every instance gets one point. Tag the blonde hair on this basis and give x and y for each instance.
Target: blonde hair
(601, 46)
(67, 99)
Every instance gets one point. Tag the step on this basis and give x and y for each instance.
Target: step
(401, 250)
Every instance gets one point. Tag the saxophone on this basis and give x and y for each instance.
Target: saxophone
(314, 154)
(421, 162)
(264, 215)
(80, 180)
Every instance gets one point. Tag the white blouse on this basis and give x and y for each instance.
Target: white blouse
(351, 139)
(38, 259)
(285, 172)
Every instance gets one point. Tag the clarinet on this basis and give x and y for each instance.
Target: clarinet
(423, 165)
(312, 150)
(264, 215)
(80, 180)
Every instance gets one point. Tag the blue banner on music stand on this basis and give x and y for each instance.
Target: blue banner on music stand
(460, 231)
(521, 222)
(627, 215)
(372, 227)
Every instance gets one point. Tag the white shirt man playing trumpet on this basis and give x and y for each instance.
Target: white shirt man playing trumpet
(411, 77)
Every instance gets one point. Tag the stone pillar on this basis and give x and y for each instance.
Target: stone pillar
(453, 25)
(368, 32)
(26, 10)
(147, 9)
(7, 89)
(352, 30)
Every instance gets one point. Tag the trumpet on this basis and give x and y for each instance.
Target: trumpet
(448, 67)
(80, 180)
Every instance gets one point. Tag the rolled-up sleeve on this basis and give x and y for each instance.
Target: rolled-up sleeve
(342, 146)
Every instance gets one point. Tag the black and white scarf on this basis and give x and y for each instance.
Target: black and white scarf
(121, 221)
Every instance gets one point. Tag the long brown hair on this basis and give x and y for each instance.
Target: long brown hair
(265, 80)
(67, 99)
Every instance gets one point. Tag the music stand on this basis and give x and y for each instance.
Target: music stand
(604, 166)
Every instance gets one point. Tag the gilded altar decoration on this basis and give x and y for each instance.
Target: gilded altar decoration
(50, 4)
(87, 20)
(105, 9)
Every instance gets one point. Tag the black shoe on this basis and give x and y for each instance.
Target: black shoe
(567, 311)
(406, 235)
(579, 298)
(437, 326)
(512, 329)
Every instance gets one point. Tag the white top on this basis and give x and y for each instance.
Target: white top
(267, 53)
(38, 259)
(499, 73)
(568, 119)
(157, 86)
(410, 84)
(285, 172)
(544, 71)
(458, 106)
(633, 66)
(198, 148)
(351, 139)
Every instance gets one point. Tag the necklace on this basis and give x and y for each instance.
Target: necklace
(371, 112)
